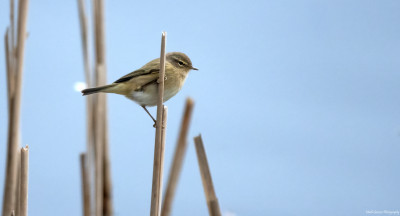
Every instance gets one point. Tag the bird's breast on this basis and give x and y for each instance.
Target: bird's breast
(149, 95)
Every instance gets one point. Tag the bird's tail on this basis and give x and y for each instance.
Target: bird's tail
(89, 91)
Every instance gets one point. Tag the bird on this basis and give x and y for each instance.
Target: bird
(141, 86)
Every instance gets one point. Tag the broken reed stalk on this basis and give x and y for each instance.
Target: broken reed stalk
(177, 162)
(16, 63)
(23, 205)
(211, 197)
(158, 146)
(85, 185)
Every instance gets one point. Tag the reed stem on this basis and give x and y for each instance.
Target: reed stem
(211, 197)
(179, 154)
(158, 146)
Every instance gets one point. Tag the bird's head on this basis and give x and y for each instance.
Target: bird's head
(180, 61)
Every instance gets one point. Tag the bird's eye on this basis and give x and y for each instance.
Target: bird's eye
(180, 63)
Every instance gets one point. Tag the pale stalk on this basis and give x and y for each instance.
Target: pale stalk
(177, 162)
(158, 146)
(211, 197)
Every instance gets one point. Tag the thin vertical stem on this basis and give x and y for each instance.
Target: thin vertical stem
(163, 137)
(12, 25)
(23, 205)
(85, 185)
(18, 191)
(90, 109)
(10, 183)
(177, 162)
(98, 129)
(211, 197)
(160, 161)
(9, 65)
(99, 31)
(90, 99)
(99, 154)
(22, 21)
(9, 195)
(101, 128)
(158, 146)
(84, 36)
(107, 189)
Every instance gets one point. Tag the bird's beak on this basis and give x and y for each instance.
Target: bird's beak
(193, 68)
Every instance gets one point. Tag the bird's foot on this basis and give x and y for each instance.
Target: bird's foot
(165, 78)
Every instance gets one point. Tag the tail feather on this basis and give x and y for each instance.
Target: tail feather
(89, 91)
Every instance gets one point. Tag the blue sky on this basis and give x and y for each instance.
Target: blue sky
(297, 101)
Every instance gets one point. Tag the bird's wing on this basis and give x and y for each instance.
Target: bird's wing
(137, 73)
(151, 68)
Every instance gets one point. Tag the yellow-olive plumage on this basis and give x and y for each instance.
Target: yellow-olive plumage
(141, 85)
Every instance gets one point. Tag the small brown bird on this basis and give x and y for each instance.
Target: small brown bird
(141, 85)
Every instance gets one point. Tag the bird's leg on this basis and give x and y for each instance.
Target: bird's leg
(145, 109)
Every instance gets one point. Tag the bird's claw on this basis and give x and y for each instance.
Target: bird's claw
(165, 78)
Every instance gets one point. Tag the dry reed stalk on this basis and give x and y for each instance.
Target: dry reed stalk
(96, 110)
(85, 185)
(158, 146)
(9, 195)
(177, 162)
(163, 137)
(159, 160)
(103, 186)
(23, 205)
(84, 36)
(107, 189)
(12, 25)
(12, 48)
(10, 182)
(211, 197)
(98, 119)
(98, 159)
(18, 190)
(8, 67)
(85, 49)
(89, 156)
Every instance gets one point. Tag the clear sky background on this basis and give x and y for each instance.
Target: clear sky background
(297, 101)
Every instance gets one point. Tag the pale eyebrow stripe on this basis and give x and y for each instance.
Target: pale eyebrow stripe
(178, 59)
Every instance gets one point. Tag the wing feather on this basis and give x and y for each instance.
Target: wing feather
(136, 73)
(152, 67)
